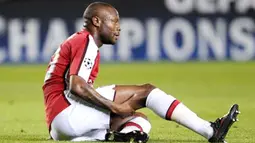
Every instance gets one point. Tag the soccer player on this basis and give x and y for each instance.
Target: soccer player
(76, 111)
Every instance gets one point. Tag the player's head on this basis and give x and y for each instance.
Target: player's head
(104, 20)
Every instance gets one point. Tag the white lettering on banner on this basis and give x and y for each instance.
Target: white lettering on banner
(27, 39)
(132, 36)
(78, 24)
(223, 6)
(57, 33)
(206, 6)
(222, 38)
(215, 38)
(107, 52)
(153, 39)
(241, 31)
(179, 6)
(243, 6)
(170, 30)
(2, 32)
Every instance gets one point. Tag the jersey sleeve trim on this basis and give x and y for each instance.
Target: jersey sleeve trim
(83, 55)
(88, 63)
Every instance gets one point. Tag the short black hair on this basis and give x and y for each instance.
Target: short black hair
(93, 8)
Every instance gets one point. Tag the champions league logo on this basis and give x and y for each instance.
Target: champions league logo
(88, 63)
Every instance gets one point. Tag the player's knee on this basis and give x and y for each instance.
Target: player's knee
(148, 88)
(140, 114)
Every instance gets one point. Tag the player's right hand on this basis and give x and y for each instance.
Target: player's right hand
(123, 109)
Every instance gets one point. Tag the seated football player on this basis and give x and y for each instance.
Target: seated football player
(76, 111)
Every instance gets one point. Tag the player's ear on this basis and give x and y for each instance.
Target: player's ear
(96, 21)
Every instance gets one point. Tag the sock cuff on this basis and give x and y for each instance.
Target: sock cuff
(171, 108)
(149, 97)
(137, 123)
(159, 102)
(130, 123)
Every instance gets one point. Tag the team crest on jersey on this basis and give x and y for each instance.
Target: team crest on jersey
(88, 63)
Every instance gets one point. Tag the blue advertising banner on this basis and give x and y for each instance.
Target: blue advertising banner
(152, 30)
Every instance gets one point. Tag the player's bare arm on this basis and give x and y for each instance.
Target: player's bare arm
(78, 86)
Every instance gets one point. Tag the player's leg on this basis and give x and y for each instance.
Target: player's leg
(81, 121)
(138, 121)
(134, 128)
(162, 104)
(169, 108)
(60, 126)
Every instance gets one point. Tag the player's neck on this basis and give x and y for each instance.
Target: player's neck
(95, 36)
(97, 40)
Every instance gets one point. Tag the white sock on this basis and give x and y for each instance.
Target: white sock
(167, 107)
(137, 123)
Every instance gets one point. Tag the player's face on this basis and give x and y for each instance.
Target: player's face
(110, 28)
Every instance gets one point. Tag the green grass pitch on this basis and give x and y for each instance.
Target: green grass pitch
(209, 89)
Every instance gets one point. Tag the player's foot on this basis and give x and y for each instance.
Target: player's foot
(131, 137)
(222, 125)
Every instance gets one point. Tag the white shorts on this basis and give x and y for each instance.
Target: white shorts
(82, 121)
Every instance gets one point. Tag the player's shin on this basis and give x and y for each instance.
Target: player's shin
(169, 108)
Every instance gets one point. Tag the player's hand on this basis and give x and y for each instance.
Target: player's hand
(124, 109)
